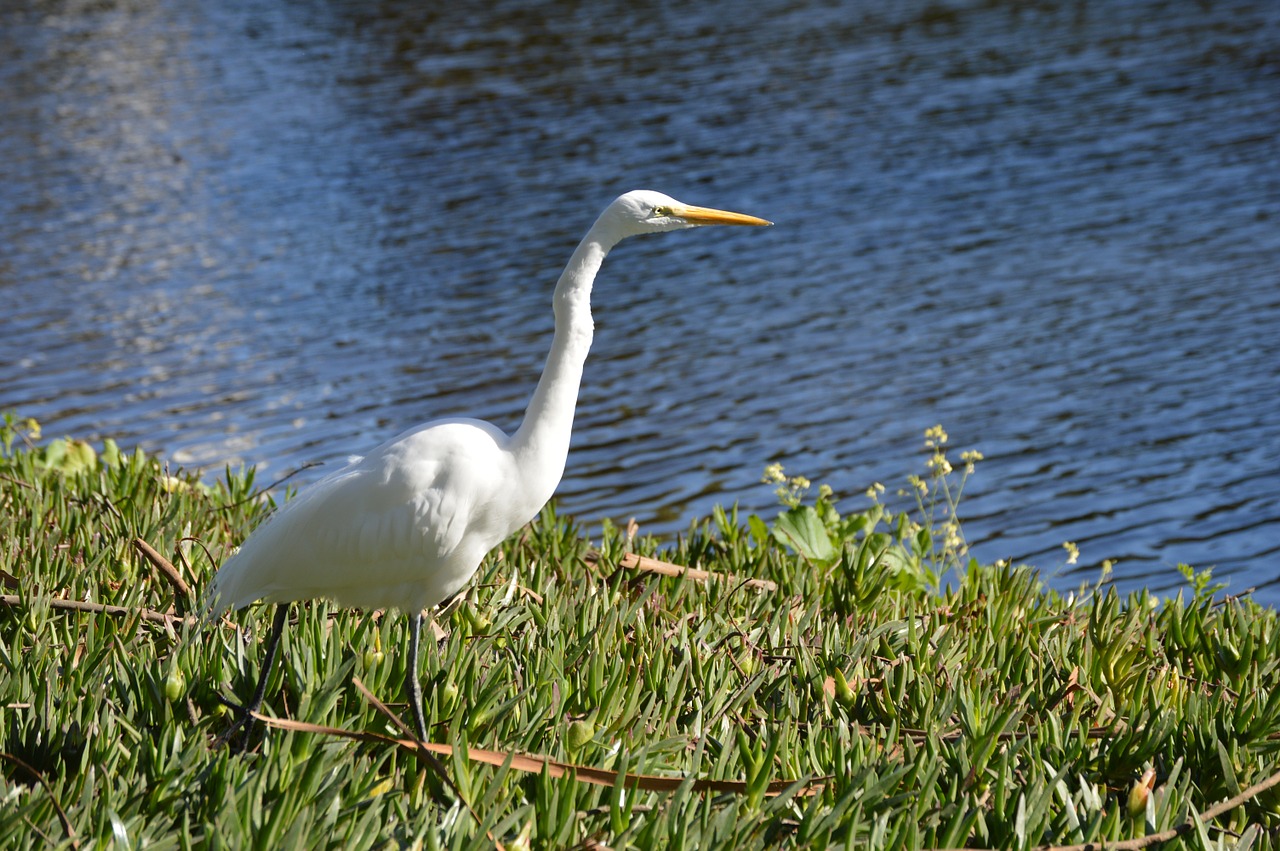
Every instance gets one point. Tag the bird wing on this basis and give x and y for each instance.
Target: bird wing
(405, 526)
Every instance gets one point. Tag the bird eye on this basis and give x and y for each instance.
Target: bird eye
(661, 211)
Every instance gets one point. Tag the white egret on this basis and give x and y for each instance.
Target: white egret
(407, 525)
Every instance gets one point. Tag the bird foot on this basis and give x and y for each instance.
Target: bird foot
(243, 719)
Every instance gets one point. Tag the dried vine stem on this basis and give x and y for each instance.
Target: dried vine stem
(631, 561)
(149, 615)
(166, 568)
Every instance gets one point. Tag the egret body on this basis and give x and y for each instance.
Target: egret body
(407, 525)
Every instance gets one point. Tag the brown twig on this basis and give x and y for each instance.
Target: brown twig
(421, 749)
(17, 482)
(1231, 598)
(554, 768)
(260, 491)
(62, 814)
(166, 568)
(631, 561)
(15, 600)
(208, 555)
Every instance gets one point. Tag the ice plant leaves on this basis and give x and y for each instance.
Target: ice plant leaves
(958, 699)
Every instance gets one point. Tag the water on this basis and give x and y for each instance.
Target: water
(280, 233)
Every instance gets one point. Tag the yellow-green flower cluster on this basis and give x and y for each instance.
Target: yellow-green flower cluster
(952, 539)
(1073, 551)
(791, 489)
(935, 439)
(939, 465)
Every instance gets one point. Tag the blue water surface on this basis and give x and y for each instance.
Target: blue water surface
(281, 233)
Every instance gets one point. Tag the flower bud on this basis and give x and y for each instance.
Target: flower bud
(580, 733)
(175, 685)
(1141, 792)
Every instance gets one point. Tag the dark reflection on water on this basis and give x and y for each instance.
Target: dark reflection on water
(278, 233)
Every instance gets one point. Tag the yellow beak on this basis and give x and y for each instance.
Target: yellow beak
(708, 216)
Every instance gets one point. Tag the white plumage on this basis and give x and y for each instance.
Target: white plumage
(404, 526)
(407, 525)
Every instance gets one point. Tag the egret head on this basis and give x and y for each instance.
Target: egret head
(645, 211)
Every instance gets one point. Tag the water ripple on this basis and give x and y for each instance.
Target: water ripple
(281, 234)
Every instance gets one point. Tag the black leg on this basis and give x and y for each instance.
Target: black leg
(245, 716)
(414, 685)
(273, 644)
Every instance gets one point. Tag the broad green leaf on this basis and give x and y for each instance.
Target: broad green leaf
(801, 529)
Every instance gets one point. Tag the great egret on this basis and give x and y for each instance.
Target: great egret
(407, 525)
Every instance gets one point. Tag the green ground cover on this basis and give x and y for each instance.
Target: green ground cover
(851, 698)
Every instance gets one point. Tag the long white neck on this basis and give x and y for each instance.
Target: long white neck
(541, 444)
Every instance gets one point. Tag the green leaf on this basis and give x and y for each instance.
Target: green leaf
(80, 456)
(1229, 778)
(802, 529)
(54, 454)
(923, 542)
(110, 453)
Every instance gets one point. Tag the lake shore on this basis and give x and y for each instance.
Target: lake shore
(823, 677)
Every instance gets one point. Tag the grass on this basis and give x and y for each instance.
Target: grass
(886, 708)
